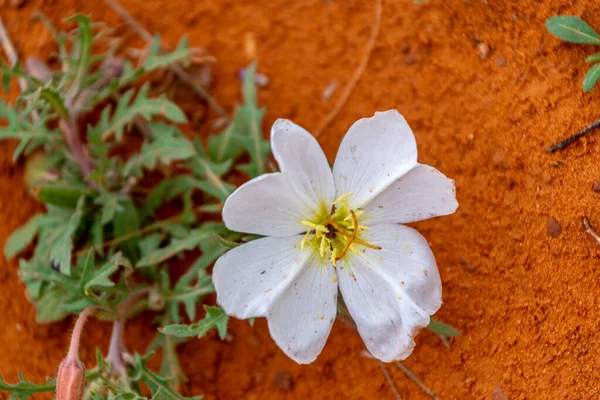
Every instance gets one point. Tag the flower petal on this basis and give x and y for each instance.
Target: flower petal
(275, 278)
(249, 278)
(301, 318)
(423, 192)
(374, 153)
(391, 292)
(274, 204)
(301, 158)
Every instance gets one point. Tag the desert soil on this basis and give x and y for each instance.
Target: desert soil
(486, 89)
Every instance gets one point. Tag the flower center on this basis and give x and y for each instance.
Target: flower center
(336, 233)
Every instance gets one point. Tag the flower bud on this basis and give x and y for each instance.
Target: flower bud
(70, 381)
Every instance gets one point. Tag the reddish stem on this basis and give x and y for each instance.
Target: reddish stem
(72, 355)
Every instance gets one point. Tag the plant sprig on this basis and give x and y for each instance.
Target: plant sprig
(94, 142)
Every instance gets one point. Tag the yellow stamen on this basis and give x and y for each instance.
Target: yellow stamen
(342, 197)
(316, 227)
(352, 238)
(304, 240)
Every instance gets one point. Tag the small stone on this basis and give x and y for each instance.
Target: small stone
(501, 61)
(484, 50)
(553, 227)
(596, 186)
(410, 59)
(283, 381)
(405, 48)
(498, 394)
(466, 265)
(16, 3)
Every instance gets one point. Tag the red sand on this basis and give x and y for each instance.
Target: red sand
(525, 302)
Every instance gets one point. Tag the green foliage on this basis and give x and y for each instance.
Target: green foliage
(575, 30)
(123, 199)
(572, 29)
(215, 318)
(244, 134)
(24, 389)
(442, 329)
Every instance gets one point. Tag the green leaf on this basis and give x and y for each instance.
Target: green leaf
(167, 190)
(110, 206)
(164, 150)
(25, 389)
(20, 238)
(81, 52)
(572, 29)
(60, 252)
(61, 194)
(170, 366)
(53, 99)
(193, 240)
(226, 145)
(591, 78)
(215, 318)
(210, 173)
(125, 223)
(156, 60)
(253, 140)
(157, 384)
(442, 329)
(48, 305)
(593, 58)
(126, 110)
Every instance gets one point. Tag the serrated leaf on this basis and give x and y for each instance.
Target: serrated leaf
(157, 60)
(572, 29)
(167, 190)
(226, 145)
(164, 150)
(126, 110)
(125, 223)
(48, 305)
(193, 240)
(591, 78)
(110, 206)
(60, 252)
(253, 140)
(21, 237)
(215, 318)
(53, 99)
(210, 173)
(442, 329)
(156, 383)
(24, 389)
(81, 52)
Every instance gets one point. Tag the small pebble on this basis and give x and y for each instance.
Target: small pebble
(596, 186)
(16, 3)
(499, 394)
(553, 227)
(410, 59)
(283, 381)
(484, 50)
(466, 265)
(501, 61)
(329, 90)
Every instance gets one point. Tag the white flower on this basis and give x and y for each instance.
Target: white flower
(327, 230)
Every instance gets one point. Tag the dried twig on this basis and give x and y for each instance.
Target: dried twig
(589, 230)
(11, 52)
(411, 375)
(175, 68)
(357, 73)
(564, 143)
(389, 380)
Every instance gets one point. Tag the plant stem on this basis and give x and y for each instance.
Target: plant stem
(72, 355)
(69, 128)
(389, 380)
(589, 230)
(175, 68)
(411, 375)
(564, 143)
(116, 338)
